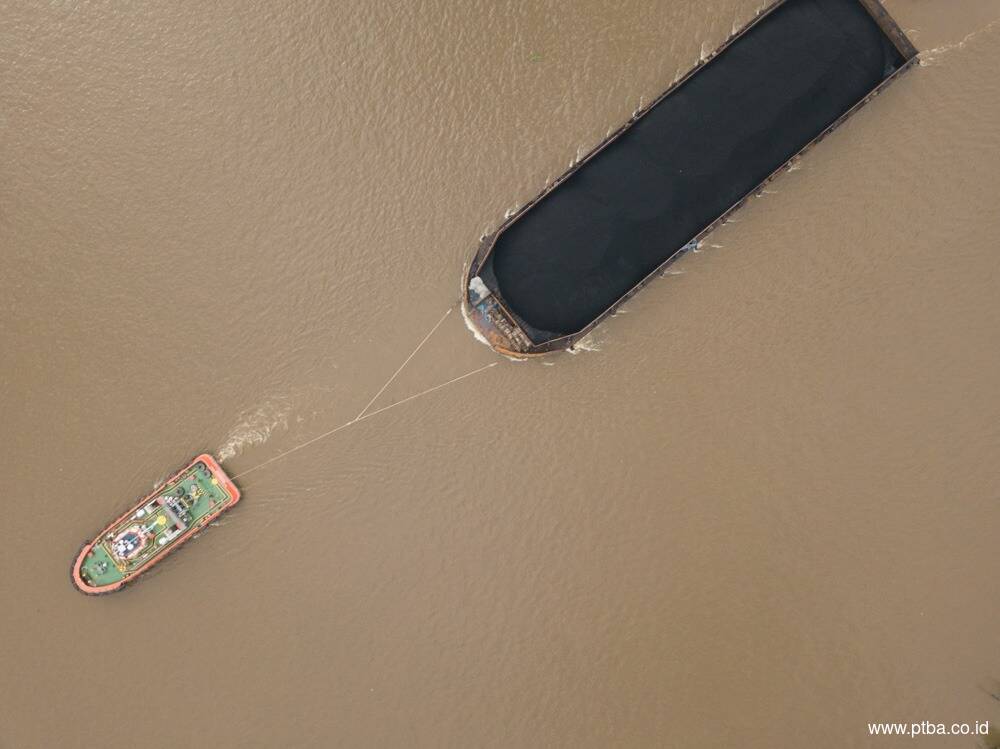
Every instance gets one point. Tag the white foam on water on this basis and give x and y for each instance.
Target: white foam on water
(588, 343)
(472, 326)
(932, 56)
(255, 426)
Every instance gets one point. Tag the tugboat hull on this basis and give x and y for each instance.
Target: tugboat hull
(158, 524)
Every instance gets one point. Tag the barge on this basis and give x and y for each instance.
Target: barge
(654, 188)
(157, 525)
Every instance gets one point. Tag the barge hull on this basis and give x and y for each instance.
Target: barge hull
(523, 317)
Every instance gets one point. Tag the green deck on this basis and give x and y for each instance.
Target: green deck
(206, 496)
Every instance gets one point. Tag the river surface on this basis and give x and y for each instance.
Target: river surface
(760, 510)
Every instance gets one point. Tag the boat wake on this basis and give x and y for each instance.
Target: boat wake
(255, 426)
(933, 56)
(472, 326)
(588, 344)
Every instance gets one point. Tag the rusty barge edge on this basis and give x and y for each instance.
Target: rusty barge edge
(487, 311)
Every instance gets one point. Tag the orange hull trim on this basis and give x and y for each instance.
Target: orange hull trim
(224, 480)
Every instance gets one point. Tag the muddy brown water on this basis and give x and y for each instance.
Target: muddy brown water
(762, 511)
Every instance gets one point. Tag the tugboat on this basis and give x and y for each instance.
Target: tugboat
(161, 522)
